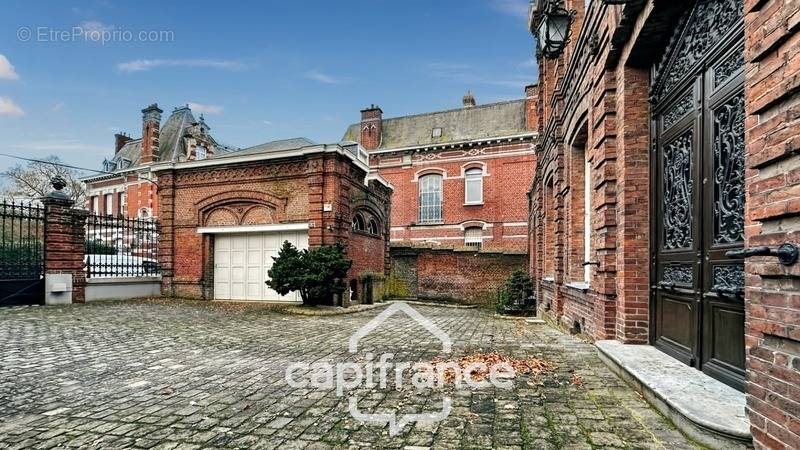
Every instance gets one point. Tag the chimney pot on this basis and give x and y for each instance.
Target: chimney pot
(468, 100)
(120, 139)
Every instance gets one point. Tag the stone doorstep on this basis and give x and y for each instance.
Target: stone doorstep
(707, 410)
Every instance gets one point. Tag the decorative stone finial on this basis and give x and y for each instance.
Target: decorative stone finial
(58, 182)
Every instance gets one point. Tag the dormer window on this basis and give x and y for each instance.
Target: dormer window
(109, 166)
(200, 153)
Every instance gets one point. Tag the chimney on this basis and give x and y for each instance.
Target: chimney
(532, 107)
(468, 100)
(120, 139)
(151, 125)
(371, 126)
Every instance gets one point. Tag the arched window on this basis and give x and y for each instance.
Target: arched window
(358, 223)
(473, 186)
(372, 227)
(430, 198)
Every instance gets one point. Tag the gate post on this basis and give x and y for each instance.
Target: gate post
(64, 247)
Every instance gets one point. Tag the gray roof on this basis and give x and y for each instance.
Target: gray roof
(462, 124)
(170, 144)
(273, 146)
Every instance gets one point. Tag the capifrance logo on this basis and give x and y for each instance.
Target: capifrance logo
(378, 370)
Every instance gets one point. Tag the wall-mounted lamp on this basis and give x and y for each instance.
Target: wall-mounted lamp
(551, 24)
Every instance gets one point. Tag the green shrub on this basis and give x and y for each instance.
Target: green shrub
(96, 247)
(513, 295)
(316, 273)
(21, 258)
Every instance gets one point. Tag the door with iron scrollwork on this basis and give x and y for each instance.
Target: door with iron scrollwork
(698, 185)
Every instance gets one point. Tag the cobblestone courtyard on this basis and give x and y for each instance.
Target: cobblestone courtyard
(193, 375)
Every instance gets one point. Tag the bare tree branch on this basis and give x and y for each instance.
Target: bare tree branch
(33, 180)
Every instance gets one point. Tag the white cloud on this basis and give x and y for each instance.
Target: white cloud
(530, 63)
(205, 109)
(316, 75)
(516, 8)
(7, 71)
(9, 108)
(57, 106)
(143, 65)
(94, 30)
(267, 122)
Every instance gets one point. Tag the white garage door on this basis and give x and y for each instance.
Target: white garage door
(241, 262)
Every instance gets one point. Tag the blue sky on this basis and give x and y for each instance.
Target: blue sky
(261, 70)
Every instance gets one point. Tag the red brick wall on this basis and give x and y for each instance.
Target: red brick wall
(461, 276)
(504, 207)
(139, 194)
(772, 81)
(596, 101)
(292, 191)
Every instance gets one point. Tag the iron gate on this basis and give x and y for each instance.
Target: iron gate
(21, 254)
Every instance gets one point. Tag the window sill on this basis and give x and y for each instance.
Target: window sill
(473, 204)
(578, 285)
(549, 279)
(423, 224)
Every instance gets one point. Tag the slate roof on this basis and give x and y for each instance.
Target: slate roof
(273, 146)
(462, 124)
(170, 145)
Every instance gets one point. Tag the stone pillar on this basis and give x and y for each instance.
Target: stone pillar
(64, 247)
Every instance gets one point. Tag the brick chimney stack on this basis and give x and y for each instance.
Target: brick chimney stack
(532, 107)
(468, 100)
(371, 126)
(151, 128)
(120, 139)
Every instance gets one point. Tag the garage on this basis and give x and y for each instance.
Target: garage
(242, 260)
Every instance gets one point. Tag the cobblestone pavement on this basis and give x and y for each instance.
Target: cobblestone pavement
(186, 375)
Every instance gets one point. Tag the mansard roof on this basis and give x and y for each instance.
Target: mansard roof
(457, 125)
(171, 146)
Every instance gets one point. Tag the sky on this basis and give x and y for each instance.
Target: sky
(73, 73)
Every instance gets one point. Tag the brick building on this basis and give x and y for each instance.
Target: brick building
(224, 218)
(459, 179)
(669, 133)
(127, 190)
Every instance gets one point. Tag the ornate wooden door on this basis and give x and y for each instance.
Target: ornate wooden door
(698, 186)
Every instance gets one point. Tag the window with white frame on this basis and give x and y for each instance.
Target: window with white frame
(473, 186)
(430, 198)
(200, 153)
(358, 223)
(96, 204)
(473, 237)
(109, 205)
(372, 227)
(123, 204)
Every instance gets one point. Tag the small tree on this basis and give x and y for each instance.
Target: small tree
(315, 273)
(514, 294)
